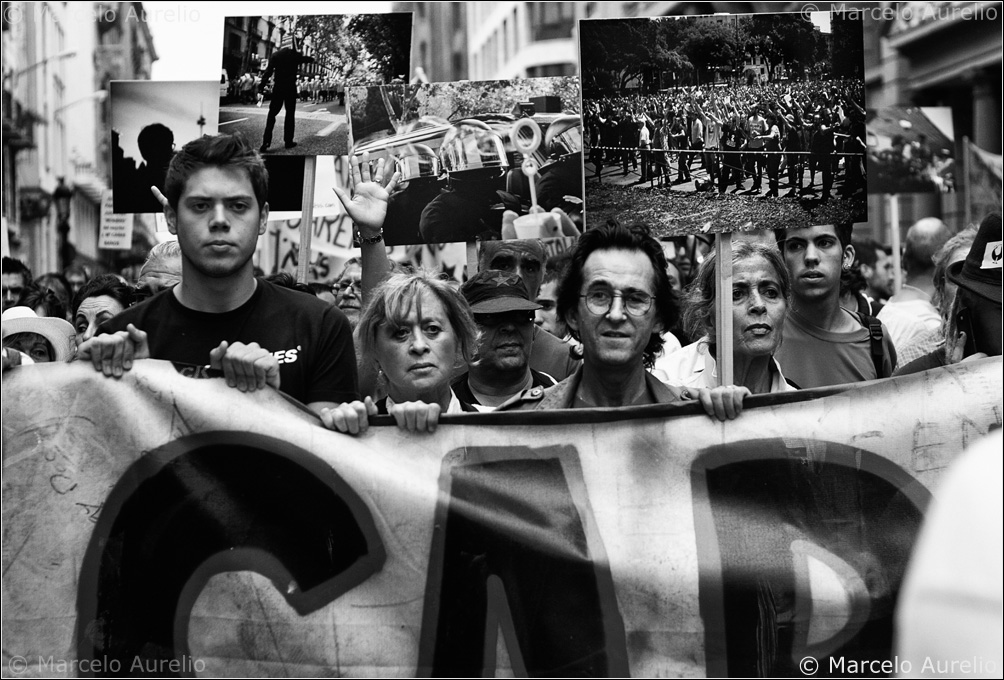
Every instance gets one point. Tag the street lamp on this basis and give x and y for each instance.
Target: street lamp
(62, 197)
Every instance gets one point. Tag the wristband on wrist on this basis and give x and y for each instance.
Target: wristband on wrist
(370, 240)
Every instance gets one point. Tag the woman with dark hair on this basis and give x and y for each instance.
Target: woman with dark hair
(98, 300)
(58, 284)
(760, 293)
(43, 301)
(416, 329)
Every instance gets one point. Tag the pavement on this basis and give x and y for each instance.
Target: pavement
(322, 129)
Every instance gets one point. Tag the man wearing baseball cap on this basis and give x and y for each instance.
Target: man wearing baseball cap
(504, 314)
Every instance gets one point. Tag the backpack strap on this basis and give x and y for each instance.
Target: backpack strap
(876, 336)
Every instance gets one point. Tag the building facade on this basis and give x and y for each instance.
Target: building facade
(58, 61)
(936, 54)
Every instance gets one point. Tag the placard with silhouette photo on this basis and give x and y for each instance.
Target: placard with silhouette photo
(150, 121)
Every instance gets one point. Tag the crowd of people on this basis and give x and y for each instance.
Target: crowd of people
(740, 136)
(912, 166)
(613, 322)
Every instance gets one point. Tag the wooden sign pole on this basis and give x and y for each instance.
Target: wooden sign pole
(307, 219)
(723, 309)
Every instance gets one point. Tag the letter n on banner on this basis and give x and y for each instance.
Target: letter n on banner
(802, 549)
(207, 504)
(515, 548)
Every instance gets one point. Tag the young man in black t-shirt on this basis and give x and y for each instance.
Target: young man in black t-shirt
(220, 316)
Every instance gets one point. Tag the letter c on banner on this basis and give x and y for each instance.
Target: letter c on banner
(207, 504)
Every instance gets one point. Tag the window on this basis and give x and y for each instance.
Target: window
(544, 70)
(551, 20)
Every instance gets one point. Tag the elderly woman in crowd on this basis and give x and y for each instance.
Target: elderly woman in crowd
(760, 291)
(98, 300)
(41, 339)
(417, 329)
(162, 268)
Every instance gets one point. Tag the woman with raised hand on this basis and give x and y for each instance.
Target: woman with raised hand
(415, 329)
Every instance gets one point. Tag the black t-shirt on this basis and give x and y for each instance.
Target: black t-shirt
(311, 340)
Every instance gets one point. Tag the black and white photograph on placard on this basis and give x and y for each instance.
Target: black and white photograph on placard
(726, 121)
(149, 121)
(478, 160)
(911, 150)
(284, 77)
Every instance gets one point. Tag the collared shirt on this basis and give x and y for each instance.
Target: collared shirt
(454, 407)
(694, 366)
(564, 394)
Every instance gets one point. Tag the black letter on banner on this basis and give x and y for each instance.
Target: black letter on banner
(207, 504)
(510, 551)
(767, 517)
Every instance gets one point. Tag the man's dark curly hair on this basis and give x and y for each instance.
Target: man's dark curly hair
(227, 151)
(613, 236)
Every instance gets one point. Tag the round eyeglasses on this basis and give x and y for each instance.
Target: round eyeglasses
(636, 302)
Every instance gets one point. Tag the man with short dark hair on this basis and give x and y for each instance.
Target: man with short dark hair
(16, 277)
(501, 368)
(825, 344)
(876, 266)
(256, 332)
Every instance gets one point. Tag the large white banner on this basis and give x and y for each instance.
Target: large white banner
(164, 525)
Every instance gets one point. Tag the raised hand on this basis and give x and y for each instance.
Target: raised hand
(367, 202)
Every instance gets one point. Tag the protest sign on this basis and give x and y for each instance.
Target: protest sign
(160, 526)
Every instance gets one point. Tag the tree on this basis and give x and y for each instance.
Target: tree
(623, 53)
(387, 38)
(362, 48)
(780, 38)
(707, 46)
(847, 45)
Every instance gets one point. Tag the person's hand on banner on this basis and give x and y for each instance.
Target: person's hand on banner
(114, 353)
(353, 417)
(349, 417)
(11, 358)
(722, 403)
(246, 367)
(416, 416)
(367, 203)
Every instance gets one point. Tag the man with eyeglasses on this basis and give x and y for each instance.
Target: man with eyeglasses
(616, 299)
(348, 291)
(501, 370)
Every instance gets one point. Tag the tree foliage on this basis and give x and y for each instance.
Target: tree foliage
(361, 48)
(649, 54)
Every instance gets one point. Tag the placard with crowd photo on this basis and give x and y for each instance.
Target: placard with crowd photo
(284, 77)
(478, 160)
(150, 119)
(911, 150)
(724, 122)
